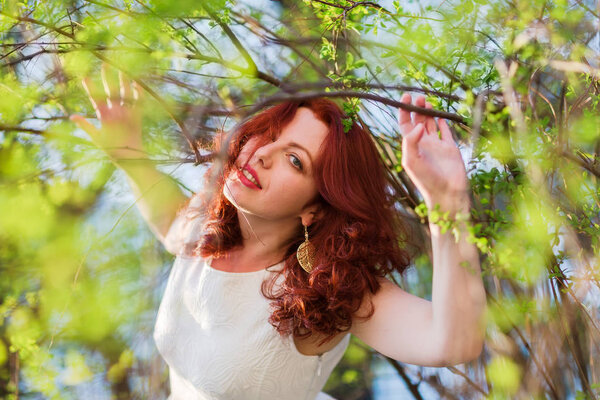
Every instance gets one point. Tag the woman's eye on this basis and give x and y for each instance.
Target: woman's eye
(295, 161)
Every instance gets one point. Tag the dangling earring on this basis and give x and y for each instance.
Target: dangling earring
(306, 253)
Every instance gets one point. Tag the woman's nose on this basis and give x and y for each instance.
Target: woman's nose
(263, 155)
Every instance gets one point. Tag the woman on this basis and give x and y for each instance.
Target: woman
(290, 254)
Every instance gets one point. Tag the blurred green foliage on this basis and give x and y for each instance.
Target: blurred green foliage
(81, 275)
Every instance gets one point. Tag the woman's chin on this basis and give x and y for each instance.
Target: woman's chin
(230, 192)
(234, 193)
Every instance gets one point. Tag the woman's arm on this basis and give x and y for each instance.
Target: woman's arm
(458, 295)
(446, 331)
(449, 329)
(158, 196)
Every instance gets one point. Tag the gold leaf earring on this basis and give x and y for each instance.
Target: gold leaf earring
(306, 253)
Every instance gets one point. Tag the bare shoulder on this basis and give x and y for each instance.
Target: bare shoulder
(388, 290)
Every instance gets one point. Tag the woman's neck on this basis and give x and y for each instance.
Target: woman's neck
(264, 241)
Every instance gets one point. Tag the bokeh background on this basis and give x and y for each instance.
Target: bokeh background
(81, 276)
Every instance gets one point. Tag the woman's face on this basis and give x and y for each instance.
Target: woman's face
(276, 182)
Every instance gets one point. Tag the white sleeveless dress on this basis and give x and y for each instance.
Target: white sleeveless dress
(212, 329)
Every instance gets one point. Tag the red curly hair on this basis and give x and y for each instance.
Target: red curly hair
(358, 237)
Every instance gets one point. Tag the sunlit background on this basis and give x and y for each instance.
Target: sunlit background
(81, 276)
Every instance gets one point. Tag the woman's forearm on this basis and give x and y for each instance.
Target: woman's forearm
(458, 295)
(158, 196)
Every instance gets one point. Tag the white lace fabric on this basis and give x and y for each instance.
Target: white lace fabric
(212, 329)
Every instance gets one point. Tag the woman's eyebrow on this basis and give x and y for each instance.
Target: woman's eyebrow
(294, 144)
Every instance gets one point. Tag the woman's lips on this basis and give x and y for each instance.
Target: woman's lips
(252, 172)
(248, 177)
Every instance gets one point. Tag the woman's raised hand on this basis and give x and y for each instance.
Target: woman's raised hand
(432, 162)
(118, 111)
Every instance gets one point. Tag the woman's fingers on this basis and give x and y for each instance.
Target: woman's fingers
(410, 145)
(445, 130)
(430, 126)
(110, 92)
(404, 119)
(420, 118)
(88, 87)
(125, 92)
(137, 91)
(408, 121)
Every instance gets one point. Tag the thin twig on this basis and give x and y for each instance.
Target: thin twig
(412, 387)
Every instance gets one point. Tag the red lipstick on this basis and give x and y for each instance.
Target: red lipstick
(248, 177)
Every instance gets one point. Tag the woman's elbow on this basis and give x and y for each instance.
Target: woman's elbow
(472, 352)
(455, 352)
(465, 352)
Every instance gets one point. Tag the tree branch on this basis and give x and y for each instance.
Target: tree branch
(280, 97)
(13, 128)
(413, 388)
